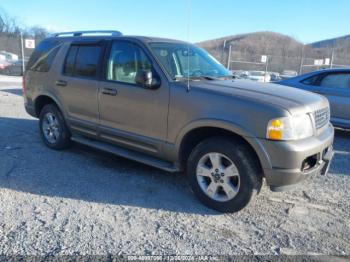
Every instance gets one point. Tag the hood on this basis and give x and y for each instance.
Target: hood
(293, 100)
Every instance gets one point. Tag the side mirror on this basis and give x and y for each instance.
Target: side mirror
(146, 79)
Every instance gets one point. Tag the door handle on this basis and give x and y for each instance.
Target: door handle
(109, 91)
(61, 83)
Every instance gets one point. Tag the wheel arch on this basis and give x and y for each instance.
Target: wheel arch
(43, 100)
(195, 133)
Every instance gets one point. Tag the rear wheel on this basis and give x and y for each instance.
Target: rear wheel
(53, 128)
(224, 174)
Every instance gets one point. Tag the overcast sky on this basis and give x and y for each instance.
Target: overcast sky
(306, 20)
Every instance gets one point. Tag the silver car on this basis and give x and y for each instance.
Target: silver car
(332, 83)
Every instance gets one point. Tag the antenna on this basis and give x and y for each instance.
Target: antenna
(189, 9)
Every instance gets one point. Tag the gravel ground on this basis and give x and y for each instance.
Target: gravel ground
(83, 201)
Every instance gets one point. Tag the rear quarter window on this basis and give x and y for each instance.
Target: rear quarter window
(44, 55)
(311, 81)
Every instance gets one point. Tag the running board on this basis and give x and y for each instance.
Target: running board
(127, 153)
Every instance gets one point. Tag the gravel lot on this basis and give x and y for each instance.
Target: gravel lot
(83, 201)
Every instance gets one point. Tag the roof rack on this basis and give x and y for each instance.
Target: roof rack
(91, 33)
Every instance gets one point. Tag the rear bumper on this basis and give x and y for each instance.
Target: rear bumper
(30, 110)
(288, 159)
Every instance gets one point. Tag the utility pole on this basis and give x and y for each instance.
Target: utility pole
(301, 60)
(266, 67)
(332, 57)
(22, 50)
(223, 52)
(229, 58)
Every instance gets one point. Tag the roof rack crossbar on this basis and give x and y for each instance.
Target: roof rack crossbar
(82, 33)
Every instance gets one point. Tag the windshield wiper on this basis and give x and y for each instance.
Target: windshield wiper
(227, 77)
(183, 78)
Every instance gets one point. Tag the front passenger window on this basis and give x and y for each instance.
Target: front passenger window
(125, 60)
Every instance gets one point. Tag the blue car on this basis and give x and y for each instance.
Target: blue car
(332, 83)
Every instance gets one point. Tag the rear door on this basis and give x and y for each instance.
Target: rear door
(78, 86)
(336, 87)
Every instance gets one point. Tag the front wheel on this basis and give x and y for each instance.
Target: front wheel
(224, 174)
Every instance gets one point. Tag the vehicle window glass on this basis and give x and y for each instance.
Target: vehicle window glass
(43, 56)
(87, 60)
(125, 60)
(191, 62)
(336, 80)
(186, 60)
(70, 61)
(310, 81)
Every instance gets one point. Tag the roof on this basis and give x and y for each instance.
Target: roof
(104, 34)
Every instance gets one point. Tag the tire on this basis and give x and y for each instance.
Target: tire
(53, 128)
(234, 184)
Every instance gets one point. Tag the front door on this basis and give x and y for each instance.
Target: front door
(130, 115)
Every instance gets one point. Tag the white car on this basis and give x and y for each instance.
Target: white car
(259, 76)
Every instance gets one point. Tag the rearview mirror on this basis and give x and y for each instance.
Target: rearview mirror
(146, 79)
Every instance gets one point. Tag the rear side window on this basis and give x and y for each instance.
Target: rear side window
(70, 61)
(340, 80)
(82, 61)
(44, 55)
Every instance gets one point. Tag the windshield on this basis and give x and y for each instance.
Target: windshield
(186, 60)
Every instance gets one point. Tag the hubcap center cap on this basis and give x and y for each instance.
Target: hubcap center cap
(217, 176)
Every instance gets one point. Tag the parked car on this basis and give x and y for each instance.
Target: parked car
(240, 74)
(8, 56)
(3, 65)
(332, 83)
(259, 76)
(274, 76)
(13, 68)
(288, 74)
(137, 97)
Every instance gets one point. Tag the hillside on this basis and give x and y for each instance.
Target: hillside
(333, 42)
(285, 52)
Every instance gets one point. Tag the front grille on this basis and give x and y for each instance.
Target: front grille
(321, 117)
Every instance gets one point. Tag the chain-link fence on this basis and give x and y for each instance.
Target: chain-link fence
(244, 63)
(274, 53)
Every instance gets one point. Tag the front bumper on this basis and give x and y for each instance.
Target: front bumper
(294, 161)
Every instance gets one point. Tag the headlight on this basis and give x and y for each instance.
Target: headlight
(290, 128)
